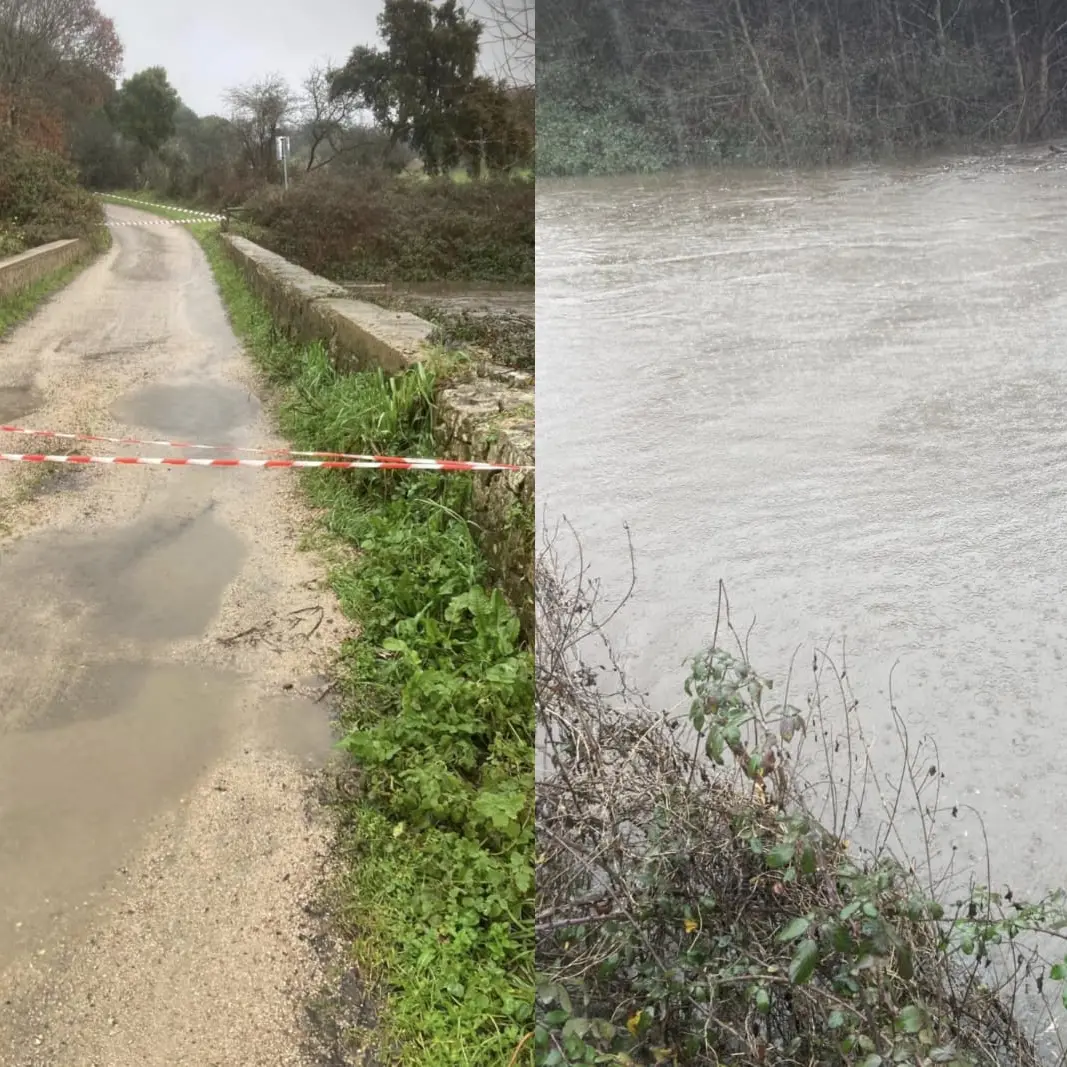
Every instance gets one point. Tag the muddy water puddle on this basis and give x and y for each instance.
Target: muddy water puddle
(17, 401)
(77, 789)
(81, 784)
(157, 579)
(203, 412)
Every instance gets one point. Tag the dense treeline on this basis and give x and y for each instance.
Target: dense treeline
(641, 84)
(415, 101)
(58, 62)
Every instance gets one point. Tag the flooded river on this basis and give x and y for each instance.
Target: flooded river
(844, 394)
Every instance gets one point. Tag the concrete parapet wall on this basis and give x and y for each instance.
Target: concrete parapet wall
(20, 272)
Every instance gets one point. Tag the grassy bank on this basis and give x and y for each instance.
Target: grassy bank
(437, 713)
(700, 903)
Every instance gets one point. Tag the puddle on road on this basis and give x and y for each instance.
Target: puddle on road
(156, 579)
(142, 256)
(81, 782)
(77, 789)
(16, 401)
(300, 727)
(204, 411)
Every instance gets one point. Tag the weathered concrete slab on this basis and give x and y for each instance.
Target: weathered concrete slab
(368, 335)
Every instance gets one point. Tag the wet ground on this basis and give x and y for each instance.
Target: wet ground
(160, 727)
(845, 394)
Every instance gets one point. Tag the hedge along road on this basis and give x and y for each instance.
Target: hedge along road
(158, 726)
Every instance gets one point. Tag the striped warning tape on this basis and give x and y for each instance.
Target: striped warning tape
(159, 222)
(186, 210)
(410, 460)
(450, 465)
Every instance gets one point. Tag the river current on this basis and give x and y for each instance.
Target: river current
(844, 393)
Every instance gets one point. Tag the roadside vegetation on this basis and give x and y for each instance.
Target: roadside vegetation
(624, 88)
(56, 62)
(736, 883)
(384, 228)
(436, 713)
(40, 202)
(41, 199)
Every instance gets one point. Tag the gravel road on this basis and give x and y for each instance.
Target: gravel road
(159, 840)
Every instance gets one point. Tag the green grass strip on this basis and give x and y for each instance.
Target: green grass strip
(437, 712)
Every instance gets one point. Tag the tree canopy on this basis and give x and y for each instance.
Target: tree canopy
(58, 61)
(144, 108)
(422, 87)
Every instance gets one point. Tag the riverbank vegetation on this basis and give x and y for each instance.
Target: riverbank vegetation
(710, 894)
(633, 85)
(436, 805)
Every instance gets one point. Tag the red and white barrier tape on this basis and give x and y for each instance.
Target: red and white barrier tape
(450, 465)
(213, 216)
(406, 460)
(158, 222)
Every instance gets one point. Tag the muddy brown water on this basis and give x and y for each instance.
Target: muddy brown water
(845, 394)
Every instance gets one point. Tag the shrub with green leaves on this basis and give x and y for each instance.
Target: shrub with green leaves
(588, 123)
(41, 200)
(384, 228)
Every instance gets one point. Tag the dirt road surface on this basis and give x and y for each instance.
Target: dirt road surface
(158, 838)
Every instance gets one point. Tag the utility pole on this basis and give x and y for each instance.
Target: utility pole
(281, 150)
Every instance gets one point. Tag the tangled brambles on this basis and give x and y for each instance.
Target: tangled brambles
(698, 904)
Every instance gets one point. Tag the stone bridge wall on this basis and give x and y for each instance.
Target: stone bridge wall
(488, 418)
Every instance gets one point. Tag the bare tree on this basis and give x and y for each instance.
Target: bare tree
(40, 40)
(509, 30)
(327, 122)
(258, 111)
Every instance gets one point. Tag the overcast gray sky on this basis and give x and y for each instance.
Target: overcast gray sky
(209, 46)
